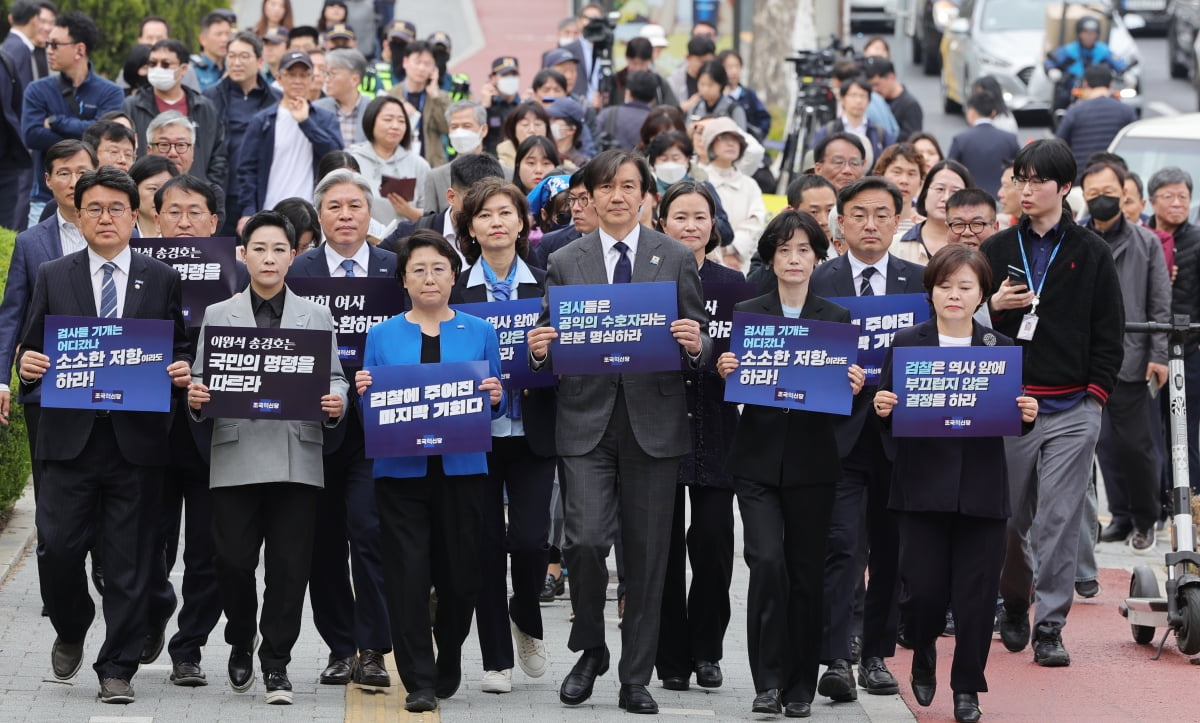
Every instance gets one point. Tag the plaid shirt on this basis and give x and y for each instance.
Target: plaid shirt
(348, 121)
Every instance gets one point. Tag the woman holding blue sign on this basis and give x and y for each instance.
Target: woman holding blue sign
(430, 506)
(786, 469)
(493, 227)
(951, 498)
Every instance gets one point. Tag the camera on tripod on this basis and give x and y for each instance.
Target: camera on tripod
(600, 31)
(814, 64)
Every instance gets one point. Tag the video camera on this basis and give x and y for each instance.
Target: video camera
(600, 31)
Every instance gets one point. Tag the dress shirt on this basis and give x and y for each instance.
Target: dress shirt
(878, 281)
(70, 236)
(360, 258)
(268, 313)
(611, 255)
(120, 276)
(524, 276)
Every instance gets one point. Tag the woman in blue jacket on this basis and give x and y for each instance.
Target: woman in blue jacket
(429, 507)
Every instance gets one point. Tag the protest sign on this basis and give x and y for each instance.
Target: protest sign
(207, 267)
(114, 364)
(357, 304)
(956, 391)
(255, 373)
(719, 299)
(614, 328)
(879, 318)
(512, 320)
(424, 409)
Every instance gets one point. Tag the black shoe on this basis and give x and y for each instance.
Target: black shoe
(634, 698)
(279, 688)
(337, 672)
(449, 672)
(1087, 588)
(421, 701)
(187, 674)
(156, 636)
(949, 629)
(874, 676)
(798, 710)
(552, 588)
(97, 575)
(1014, 629)
(241, 667)
(708, 675)
(837, 682)
(369, 670)
(65, 658)
(966, 707)
(1048, 650)
(675, 682)
(1116, 531)
(855, 648)
(115, 690)
(577, 686)
(924, 674)
(767, 702)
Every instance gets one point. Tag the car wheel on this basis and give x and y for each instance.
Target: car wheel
(1178, 69)
(949, 106)
(932, 55)
(917, 47)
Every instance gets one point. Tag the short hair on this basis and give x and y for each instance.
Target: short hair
(417, 47)
(528, 146)
(473, 203)
(602, 168)
(727, 54)
(518, 114)
(972, 196)
(334, 160)
(214, 17)
(685, 188)
(715, 71)
(81, 28)
(476, 108)
(107, 177)
(1094, 168)
(371, 114)
(567, 23)
(864, 184)
(187, 183)
(68, 148)
(303, 216)
(471, 168)
(170, 118)
(781, 228)
(823, 144)
(700, 46)
(106, 130)
(1166, 177)
(642, 85)
(576, 179)
(347, 59)
(142, 27)
(858, 81)
(667, 140)
(953, 257)
(984, 103)
(549, 75)
(269, 219)
(639, 49)
(807, 182)
(1098, 76)
(151, 165)
(906, 151)
(425, 238)
(1106, 157)
(173, 46)
(661, 118)
(877, 67)
(844, 70)
(1137, 183)
(338, 177)
(954, 167)
(304, 31)
(249, 38)
(1049, 159)
(23, 11)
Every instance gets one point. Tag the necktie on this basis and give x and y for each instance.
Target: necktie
(623, 273)
(864, 289)
(108, 292)
(348, 266)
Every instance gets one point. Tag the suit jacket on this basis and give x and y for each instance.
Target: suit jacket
(258, 451)
(538, 404)
(834, 278)
(655, 400)
(64, 287)
(552, 242)
(983, 148)
(257, 153)
(787, 447)
(12, 144)
(33, 247)
(437, 182)
(404, 229)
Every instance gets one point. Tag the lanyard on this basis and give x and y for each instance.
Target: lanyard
(1037, 293)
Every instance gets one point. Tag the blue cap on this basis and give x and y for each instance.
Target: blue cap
(547, 188)
(558, 55)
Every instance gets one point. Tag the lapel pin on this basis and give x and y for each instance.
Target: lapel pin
(989, 339)
(137, 284)
(654, 261)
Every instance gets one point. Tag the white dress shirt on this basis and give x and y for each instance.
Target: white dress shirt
(120, 276)
(70, 235)
(451, 236)
(360, 258)
(878, 281)
(611, 255)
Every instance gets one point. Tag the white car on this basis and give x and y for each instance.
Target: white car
(1155, 143)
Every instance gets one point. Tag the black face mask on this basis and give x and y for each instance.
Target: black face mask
(1104, 208)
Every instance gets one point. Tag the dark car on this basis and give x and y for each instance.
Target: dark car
(1156, 13)
(1182, 26)
(930, 20)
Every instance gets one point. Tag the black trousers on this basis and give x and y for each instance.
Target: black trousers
(785, 532)
(67, 522)
(245, 517)
(952, 560)
(430, 527)
(346, 540)
(16, 186)
(694, 619)
(528, 479)
(1127, 457)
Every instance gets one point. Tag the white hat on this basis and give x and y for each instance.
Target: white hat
(655, 34)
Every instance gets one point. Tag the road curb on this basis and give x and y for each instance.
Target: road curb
(19, 535)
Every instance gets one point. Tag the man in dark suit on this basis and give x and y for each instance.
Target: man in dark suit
(867, 212)
(111, 462)
(983, 148)
(352, 620)
(621, 426)
(17, 70)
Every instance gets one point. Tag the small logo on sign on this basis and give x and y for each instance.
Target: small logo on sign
(347, 353)
(429, 441)
(956, 422)
(268, 406)
(616, 360)
(116, 396)
(790, 395)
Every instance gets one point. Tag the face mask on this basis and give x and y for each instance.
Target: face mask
(508, 84)
(161, 78)
(464, 141)
(564, 42)
(559, 131)
(670, 172)
(1104, 208)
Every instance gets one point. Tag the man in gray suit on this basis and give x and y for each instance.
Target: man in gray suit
(628, 427)
(266, 474)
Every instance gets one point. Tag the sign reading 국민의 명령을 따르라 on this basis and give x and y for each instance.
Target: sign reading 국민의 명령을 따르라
(255, 373)
(791, 363)
(512, 320)
(115, 364)
(357, 304)
(425, 409)
(206, 266)
(879, 318)
(956, 391)
(614, 328)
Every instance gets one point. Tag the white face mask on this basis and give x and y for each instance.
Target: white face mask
(508, 84)
(670, 172)
(464, 141)
(564, 42)
(559, 131)
(161, 78)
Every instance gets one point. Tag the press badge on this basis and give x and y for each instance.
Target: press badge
(1028, 326)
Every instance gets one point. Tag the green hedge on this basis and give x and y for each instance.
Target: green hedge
(14, 446)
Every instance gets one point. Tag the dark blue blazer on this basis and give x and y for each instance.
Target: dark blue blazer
(34, 247)
(552, 242)
(12, 144)
(257, 152)
(983, 148)
(434, 222)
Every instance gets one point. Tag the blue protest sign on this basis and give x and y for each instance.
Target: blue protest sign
(116, 364)
(422, 409)
(512, 320)
(719, 299)
(614, 328)
(791, 363)
(207, 266)
(879, 318)
(357, 304)
(255, 373)
(956, 391)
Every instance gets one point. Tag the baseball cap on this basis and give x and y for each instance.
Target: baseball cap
(556, 56)
(340, 30)
(295, 57)
(439, 38)
(505, 64)
(275, 36)
(655, 34)
(566, 108)
(402, 29)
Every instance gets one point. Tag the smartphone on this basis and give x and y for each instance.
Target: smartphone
(1016, 276)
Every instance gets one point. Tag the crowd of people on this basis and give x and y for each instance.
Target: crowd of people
(347, 149)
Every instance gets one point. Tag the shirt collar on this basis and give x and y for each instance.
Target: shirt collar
(981, 121)
(361, 258)
(857, 266)
(21, 35)
(607, 242)
(275, 302)
(524, 275)
(64, 223)
(122, 260)
(859, 129)
(448, 228)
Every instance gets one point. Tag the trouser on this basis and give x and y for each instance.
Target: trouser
(1048, 473)
(1089, 534)
(245, 517)
(16, 185)
(1126, 453)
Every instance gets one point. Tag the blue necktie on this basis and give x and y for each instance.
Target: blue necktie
(348, 265)
(623, 273)
(108, 292)
(864, 288)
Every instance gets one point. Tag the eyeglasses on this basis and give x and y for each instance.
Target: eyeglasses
(861, 218)
(116, 153)
(166, 146)
(55, 45)
(239, 57)
(838, 162)
(1172, 197)
(583, 201)
(162, 64)
(117, 210)
(976, 227)
(1035, 184)
(65, 176)
(436, 271)
(194, 215)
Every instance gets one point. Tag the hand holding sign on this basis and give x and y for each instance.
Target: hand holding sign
(34, 366)
(198, 395)
(539, 341)
(331, 404)
(495, 391)
(687, 333)
(884, 401)
(181, 373)
(1029, 408)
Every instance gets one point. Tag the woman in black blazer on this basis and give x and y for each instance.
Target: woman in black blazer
(786, 468)
(951, 498)
(493, 234)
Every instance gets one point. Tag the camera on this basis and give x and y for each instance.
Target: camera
(600, 31)
(815, 64)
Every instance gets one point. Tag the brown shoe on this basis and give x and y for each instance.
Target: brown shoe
(115, 690)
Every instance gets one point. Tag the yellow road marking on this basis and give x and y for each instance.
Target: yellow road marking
(371, 705)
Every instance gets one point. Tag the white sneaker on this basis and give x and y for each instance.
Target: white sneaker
(496, 681)
(531, 652)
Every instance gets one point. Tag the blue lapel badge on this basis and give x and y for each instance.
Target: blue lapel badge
(654, 260)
